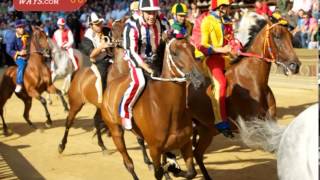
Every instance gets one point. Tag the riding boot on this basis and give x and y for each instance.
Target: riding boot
(224, 128)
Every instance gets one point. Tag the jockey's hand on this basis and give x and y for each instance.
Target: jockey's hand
(23, 52)
(146, 68)
(105, 45)
(225, 49)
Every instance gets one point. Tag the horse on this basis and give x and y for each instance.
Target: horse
(64, 67)
(161, 119)
(248, 94)
(296, 146)
(37, 79)
(82, 89)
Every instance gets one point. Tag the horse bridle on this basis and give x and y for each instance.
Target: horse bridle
(38, 48)
(266, 48)
(171, 65)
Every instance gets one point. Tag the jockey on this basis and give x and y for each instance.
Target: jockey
(141, 40)
(216, 34)
(16, 47)
(94, 45)
(64, 39)
(182, 28)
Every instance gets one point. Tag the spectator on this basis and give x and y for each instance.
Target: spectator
(312, 33)
(193, 12)
(292, 20)
(262, 8)
(302, 4)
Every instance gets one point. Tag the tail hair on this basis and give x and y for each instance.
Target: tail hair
(261, 134)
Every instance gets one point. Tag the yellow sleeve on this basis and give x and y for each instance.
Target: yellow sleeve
(206, 28)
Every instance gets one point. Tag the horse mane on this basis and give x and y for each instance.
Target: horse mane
(250, 25)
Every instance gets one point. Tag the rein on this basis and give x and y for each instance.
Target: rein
(266, 47)
(171, 65)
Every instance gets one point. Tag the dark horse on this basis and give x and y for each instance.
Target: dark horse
(160, 114)
(82, 89)
(37, 79)
(248, 93)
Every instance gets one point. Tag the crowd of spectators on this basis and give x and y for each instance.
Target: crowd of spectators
(302, 16)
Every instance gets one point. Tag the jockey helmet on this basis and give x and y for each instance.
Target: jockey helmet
(94, 19)
(134, 6)
(149, 5)
(217, 3)
(203, 3)
(19, 23)
(179, 9)
(278, 17)
(61, 22)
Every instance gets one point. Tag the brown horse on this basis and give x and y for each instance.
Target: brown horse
(248, 93)
(82, 89)
(161, 119)
(37, 79)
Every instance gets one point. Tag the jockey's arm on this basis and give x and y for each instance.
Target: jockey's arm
(210, 44)
(131, 46)
(10, 49)
(70, 40)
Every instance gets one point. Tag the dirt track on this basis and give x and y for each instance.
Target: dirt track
(33, 154)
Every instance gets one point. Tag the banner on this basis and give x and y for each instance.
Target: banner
(48, 5)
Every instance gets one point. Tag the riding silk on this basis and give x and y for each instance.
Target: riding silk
(215, 31)
(140, 42)
(17, 43)
(91, 41)
(64, 39)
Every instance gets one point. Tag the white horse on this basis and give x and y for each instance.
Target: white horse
(63, 65)
(296, 146)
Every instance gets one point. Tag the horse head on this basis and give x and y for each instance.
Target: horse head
(179, 61)
(278, 44)
(272, 41)
(39, 43)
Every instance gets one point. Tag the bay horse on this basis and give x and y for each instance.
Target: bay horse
(37, 79)
(82, 88)
(295, 146)
(248, 93)
(161, 119)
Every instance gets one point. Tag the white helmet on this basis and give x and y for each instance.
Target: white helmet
(149, 5)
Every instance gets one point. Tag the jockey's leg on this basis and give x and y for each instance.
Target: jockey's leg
(216, 65)
(21, 63)
(131, 95)
(73, 59)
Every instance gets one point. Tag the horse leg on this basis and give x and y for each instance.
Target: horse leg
(118, 139)
(97, 124)
(27, 100)
(271, 104)
(155, 154)
(66, 84)
(187, 155)
(144, 152)
(205, 138)
(52, 89)
(75, 107)
(44, 104)
(4, 125)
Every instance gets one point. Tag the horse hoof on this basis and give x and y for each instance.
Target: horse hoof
(48, 124)
(150, 167)
(61, 148)
(33, 126)
(7, 132)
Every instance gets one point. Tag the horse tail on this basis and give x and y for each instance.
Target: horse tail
(261, 134)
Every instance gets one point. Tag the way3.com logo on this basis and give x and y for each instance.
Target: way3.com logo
(48, 5)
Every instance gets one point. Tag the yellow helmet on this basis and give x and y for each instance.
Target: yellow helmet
(179, 9)
(134, 6)
(216, 3)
